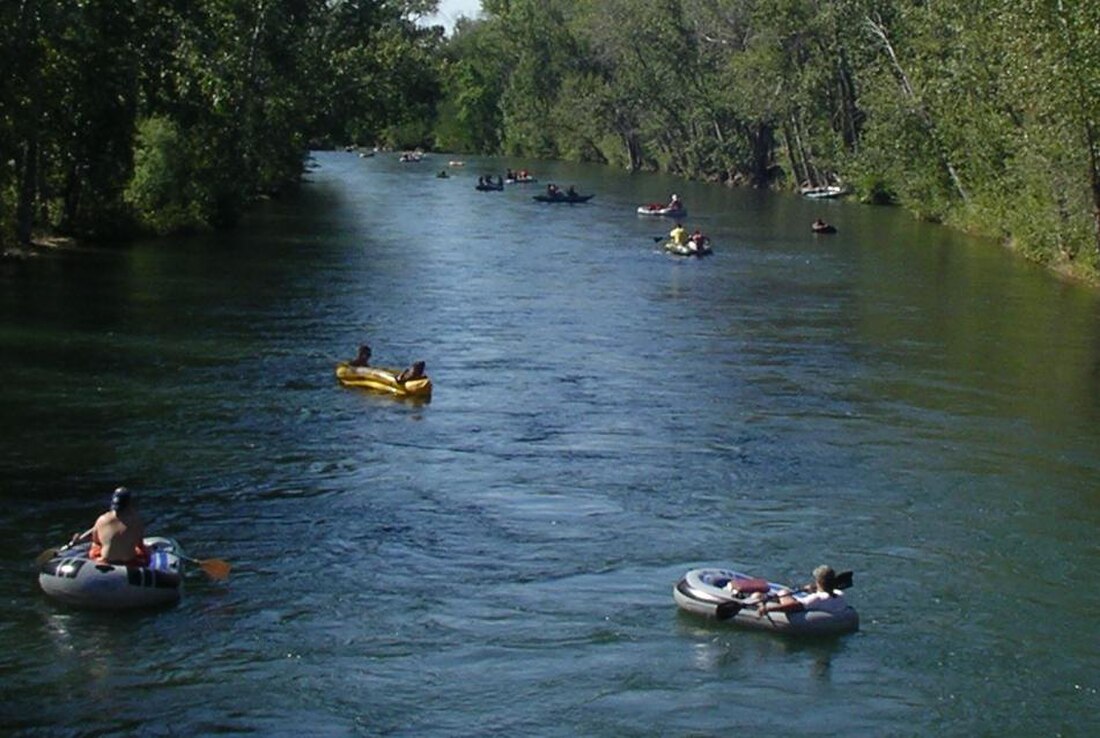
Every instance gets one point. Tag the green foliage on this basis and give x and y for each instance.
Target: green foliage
(228, 94)
(977, 113)
(163, 188)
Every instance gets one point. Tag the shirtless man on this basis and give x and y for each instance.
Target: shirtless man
(117, 534)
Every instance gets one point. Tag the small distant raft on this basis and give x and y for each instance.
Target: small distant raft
(75, 579)
(677, 249)
(701, 591)
(563, 198)
(659, 209)
(824, 192)
(381, 379)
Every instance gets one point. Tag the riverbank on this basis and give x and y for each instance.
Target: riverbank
(39, 243)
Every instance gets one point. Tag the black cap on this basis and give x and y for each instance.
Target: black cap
(120, 500)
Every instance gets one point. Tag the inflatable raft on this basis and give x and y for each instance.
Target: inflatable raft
(702, 591)
(75, 579)
(658, 209)
(688, 249)
(823, 192)
(571, 199)
(381, 379)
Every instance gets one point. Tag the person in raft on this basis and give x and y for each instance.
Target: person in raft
(821, 595)
(679, 235)
(675, 203)
(117, 534)
(416, 371)
(698, 240)
(362, 358)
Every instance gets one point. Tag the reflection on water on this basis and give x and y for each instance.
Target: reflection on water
(897, 400)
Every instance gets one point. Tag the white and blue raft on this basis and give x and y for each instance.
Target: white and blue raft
(732, 596)
(71, 576)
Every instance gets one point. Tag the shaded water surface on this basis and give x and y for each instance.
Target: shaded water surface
(894, 399)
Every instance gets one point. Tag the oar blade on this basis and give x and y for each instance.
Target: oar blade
(215, 568)
(727, 610)
(45, 556)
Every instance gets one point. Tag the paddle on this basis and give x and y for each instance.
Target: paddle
(727, 610)
(46, 555)
(214, 568)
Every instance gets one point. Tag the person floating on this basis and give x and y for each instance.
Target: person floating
(822, 594)
(820, 226)
(362, 358)
(118, 534)
(416, 371)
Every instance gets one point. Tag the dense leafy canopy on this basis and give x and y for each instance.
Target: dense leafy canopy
(981, 113)
(173, 114)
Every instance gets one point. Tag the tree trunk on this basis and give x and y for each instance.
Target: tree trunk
(28, 177)
(879, 30)
(849, 110)
(796, 175)
(763, 142)
(1094, 181)
(809, 171)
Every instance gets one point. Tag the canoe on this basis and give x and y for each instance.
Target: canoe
(75, 579)
(656, 209)
(489, 188)
(381, 379)
(564, 198)
(826, 228)
(701, 591)
(688, 249)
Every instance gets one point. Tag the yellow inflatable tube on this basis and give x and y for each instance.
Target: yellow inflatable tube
(382, 379)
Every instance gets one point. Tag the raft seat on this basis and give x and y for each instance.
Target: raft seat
(744, 586)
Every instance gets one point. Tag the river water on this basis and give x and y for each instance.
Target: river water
(896, 399)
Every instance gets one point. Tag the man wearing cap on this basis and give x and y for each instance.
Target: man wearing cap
(117, 534)
(821, 595)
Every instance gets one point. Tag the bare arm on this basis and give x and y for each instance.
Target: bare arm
(786, 603)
